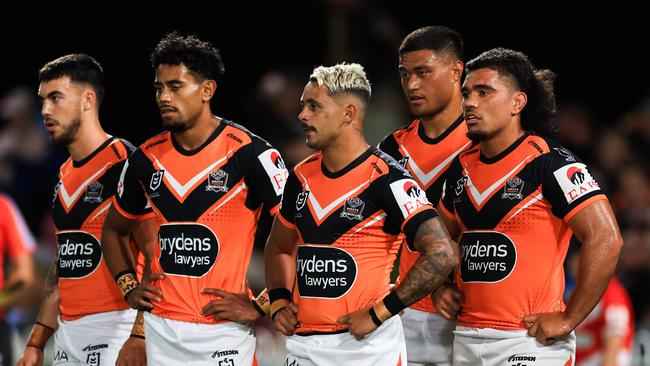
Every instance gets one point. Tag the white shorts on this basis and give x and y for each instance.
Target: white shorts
(177, 343)
(492, 347)
(429, 337)
(93, 339)
(385, 346)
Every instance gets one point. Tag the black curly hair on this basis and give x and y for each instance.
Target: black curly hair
(538, 115)
(80, 68)
(200, 57)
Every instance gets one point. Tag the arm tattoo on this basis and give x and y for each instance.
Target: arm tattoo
(437, 259)
(52, 281)
(138, 325)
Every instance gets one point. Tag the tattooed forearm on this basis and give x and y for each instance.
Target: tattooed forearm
(138, 325)
(52, 280)
(437, 259)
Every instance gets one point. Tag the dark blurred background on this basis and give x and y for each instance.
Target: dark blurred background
(269, 49)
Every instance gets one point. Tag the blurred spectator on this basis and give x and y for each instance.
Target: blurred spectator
(16, 247)
(576, 129)
(28, 163)
(606, 335)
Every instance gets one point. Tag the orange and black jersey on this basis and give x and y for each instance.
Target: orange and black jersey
(348, 225)
(207, 203)
(513, 211)
(82, 197)
(427, 159)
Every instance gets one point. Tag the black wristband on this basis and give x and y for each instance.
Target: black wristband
(137, 336)
(279, 293)
(258, 308)
(374, 317)
(126, 295)
(393, 303)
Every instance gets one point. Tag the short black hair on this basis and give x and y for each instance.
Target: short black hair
(437, 38)
(200, 57)
(539, 113)
(80, 68)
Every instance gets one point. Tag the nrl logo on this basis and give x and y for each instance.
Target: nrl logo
(156, 179)
(301, 200)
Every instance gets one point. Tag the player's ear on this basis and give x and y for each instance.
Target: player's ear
(456, 70)
(350, 112)
(209, 87)
(88, 99)
(519, 100)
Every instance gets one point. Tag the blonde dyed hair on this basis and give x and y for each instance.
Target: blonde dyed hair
(342, 79)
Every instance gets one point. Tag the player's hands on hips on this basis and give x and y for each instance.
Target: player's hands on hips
(546, 327)
(285, 320)
(359, 323)
(447, 300)
(230, 306)
(145, 294)
(132, 353)
(32, 356)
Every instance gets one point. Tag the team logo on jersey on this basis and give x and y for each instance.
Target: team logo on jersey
(487, 256)
(156, 179)
(187, 249)
(79, 254)
(275, 169)
(408, 196)
(217, 181)
(513, 188)
(324, 271)
(575, 181)
(517, 359)
(301, 199)
(353, 208)
(94, 193)
(565, 153)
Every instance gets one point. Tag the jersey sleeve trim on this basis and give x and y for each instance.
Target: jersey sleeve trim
(443, 208)
(416, 213)
(275, 209)
(147, 216)
(285, 222)
(126, 214)
(582, 205)
(411, 227)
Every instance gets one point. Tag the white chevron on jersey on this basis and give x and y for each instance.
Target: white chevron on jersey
(69, 200)
(480, 197)
(425, 178)
(182, 189)
(324, 211)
